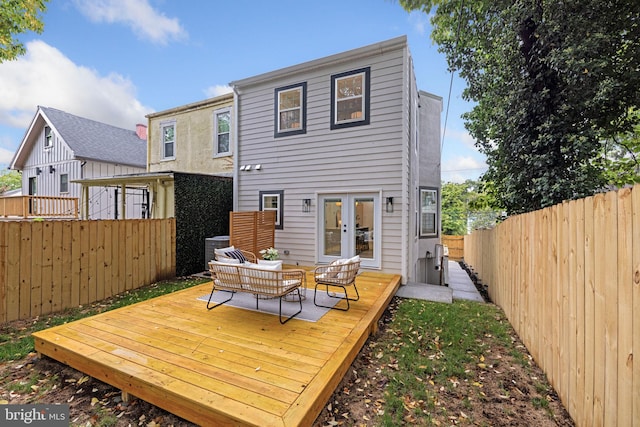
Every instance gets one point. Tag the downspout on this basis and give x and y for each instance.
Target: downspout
(162, 199)
(148, 143)
(123, 200)
(84, 193)
(234, 141)
(406, 185)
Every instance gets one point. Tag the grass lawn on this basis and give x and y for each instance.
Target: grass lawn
(430, 364)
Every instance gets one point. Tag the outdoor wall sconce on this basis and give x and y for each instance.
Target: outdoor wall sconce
(306, 205)
(51, 169)
(389, 204)
(38, 171)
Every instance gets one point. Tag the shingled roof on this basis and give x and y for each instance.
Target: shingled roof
(92, 140)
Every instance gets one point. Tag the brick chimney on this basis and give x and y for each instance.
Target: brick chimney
(141, 131)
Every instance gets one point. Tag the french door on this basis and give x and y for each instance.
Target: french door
(349, 225)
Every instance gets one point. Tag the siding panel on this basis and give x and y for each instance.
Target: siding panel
(351, 159)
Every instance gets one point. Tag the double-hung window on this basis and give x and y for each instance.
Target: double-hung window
(64, 183)
(273, 201)
(222, 137)
(168, 135)
(48, 137)
(290, 108)
(350, 94)
(428, 212)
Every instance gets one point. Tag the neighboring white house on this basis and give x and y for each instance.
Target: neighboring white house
(59, 148)
(346, 150)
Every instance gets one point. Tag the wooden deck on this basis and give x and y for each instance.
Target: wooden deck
(226, 366)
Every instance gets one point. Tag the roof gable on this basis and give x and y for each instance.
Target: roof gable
(88, 139)
(94, 140)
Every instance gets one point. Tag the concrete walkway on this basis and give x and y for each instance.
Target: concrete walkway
(460, 288)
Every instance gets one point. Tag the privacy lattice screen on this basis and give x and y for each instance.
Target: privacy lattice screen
(252, 231)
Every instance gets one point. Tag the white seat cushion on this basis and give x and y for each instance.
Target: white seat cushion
(269, 263)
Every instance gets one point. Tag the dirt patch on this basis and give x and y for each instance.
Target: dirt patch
(91, 402)
(510, 394)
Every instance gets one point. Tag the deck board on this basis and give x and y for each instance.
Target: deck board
(227, 366)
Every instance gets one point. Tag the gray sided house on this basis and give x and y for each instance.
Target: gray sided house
(59, 148)
(346, 150)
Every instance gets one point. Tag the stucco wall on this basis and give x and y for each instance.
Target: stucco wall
(194, 139)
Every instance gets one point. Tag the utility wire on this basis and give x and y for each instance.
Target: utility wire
(446, 114)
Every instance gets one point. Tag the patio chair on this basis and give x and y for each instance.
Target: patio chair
(339, 274)
(266, 281)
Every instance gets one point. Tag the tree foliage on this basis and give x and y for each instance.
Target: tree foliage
(454, 209)
(10, 180)
(466, 206)
(16, 17)
(553, 83)
(621, 157)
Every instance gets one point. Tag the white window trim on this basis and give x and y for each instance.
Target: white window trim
(366, 94)
(279, 194)
(217, 153)
(164, 125)
(48, 137)
(302, 88)
(423, 234)
(61, 191)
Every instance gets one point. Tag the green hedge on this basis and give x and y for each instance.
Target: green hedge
(202, 206)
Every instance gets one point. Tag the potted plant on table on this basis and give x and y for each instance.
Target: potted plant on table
(270, 254)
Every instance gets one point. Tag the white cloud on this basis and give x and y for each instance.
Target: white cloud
(460, 168)
(217, 90)
(461, 163)
(138, 15)
(463, 137)
(6, 156)
(44, 76)
(420, 21)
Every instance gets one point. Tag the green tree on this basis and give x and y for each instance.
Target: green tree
(553, 85)
(454, 209)
(10, 180)
(16, 17)
(466, 206)
(621, 157)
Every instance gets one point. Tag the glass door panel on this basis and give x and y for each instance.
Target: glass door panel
(349, 224)
(365, 226)
(332, 219)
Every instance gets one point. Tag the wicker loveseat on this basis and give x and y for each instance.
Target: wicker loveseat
(264, 281)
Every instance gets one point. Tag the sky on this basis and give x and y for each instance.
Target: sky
(115, 61)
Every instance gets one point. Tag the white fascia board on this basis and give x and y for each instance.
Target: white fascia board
(350, 55)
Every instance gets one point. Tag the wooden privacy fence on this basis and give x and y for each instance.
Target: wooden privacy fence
(252, 231)
(49, 266)
(455, 245)
(568, 279)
